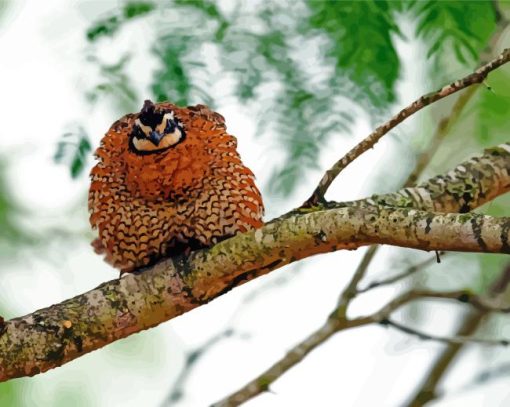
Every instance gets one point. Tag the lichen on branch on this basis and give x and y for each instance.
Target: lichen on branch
(116, 309)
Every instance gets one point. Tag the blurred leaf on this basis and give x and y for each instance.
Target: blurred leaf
(491, 266)
(171, 80)
(303, 115)
(115, 83)
(109, 26)
(73, 150)
(210, 10)
(137, 8)
(207, 7)
(461, 27)
(304, 122)
(11, 393)
(361, 43)
(106, 27)
(11, 233)
(270, 56)
(4, 5)
(494, 109)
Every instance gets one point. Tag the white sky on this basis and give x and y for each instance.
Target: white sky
(42, 80)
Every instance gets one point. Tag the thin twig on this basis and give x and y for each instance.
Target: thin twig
(487, 375)
(294, 356)
(262, 382)
(191, 359)
(463, 296)
(334, 324)
(443, 128)
(444, 339)
(397, 277)
(474, 78)
(351, 290)
(427, 391)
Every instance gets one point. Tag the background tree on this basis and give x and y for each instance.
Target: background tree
(310, 73)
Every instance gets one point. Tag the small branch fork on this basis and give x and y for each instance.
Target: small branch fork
(455, 340)
(428, 389)
(399, 276)
(262, 382)
(338, 323)
(55, 335)
(476, 77)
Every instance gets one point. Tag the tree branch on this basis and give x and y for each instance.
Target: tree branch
(351, 290)
(122, 307)
(456, 340)
(397, 277)
(427, 391)
(334, 324)
(476, 77)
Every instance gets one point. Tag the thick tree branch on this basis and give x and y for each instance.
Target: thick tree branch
(351, 291)
(476, 77)
(445, 198)
(470, 323)
(122, 307)
(459, 190)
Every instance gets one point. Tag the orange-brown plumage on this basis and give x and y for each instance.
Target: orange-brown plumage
(152, 204)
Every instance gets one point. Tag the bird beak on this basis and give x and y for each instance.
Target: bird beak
(155, 137)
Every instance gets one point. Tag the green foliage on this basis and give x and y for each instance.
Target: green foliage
(494, 109)
(105, 27)
(304, 74)
(361, 44)
(303, 125)
(171, 80)
(491, 267)
(109, 26)
(461, 26)
(114, 82)
(73, 149)
(10, 393)
(10, 231)
(182, 74)
(208, 11)
(136, 9)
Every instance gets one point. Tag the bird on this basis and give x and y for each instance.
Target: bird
(168, 181)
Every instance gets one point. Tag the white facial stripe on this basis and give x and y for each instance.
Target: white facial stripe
(144, 145)
(143, 127)
(174, 137)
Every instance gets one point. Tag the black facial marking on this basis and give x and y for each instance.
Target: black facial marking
(137, 132)
(149, 116)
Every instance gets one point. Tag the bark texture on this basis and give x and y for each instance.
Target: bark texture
(476, 77)
(56, 335)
